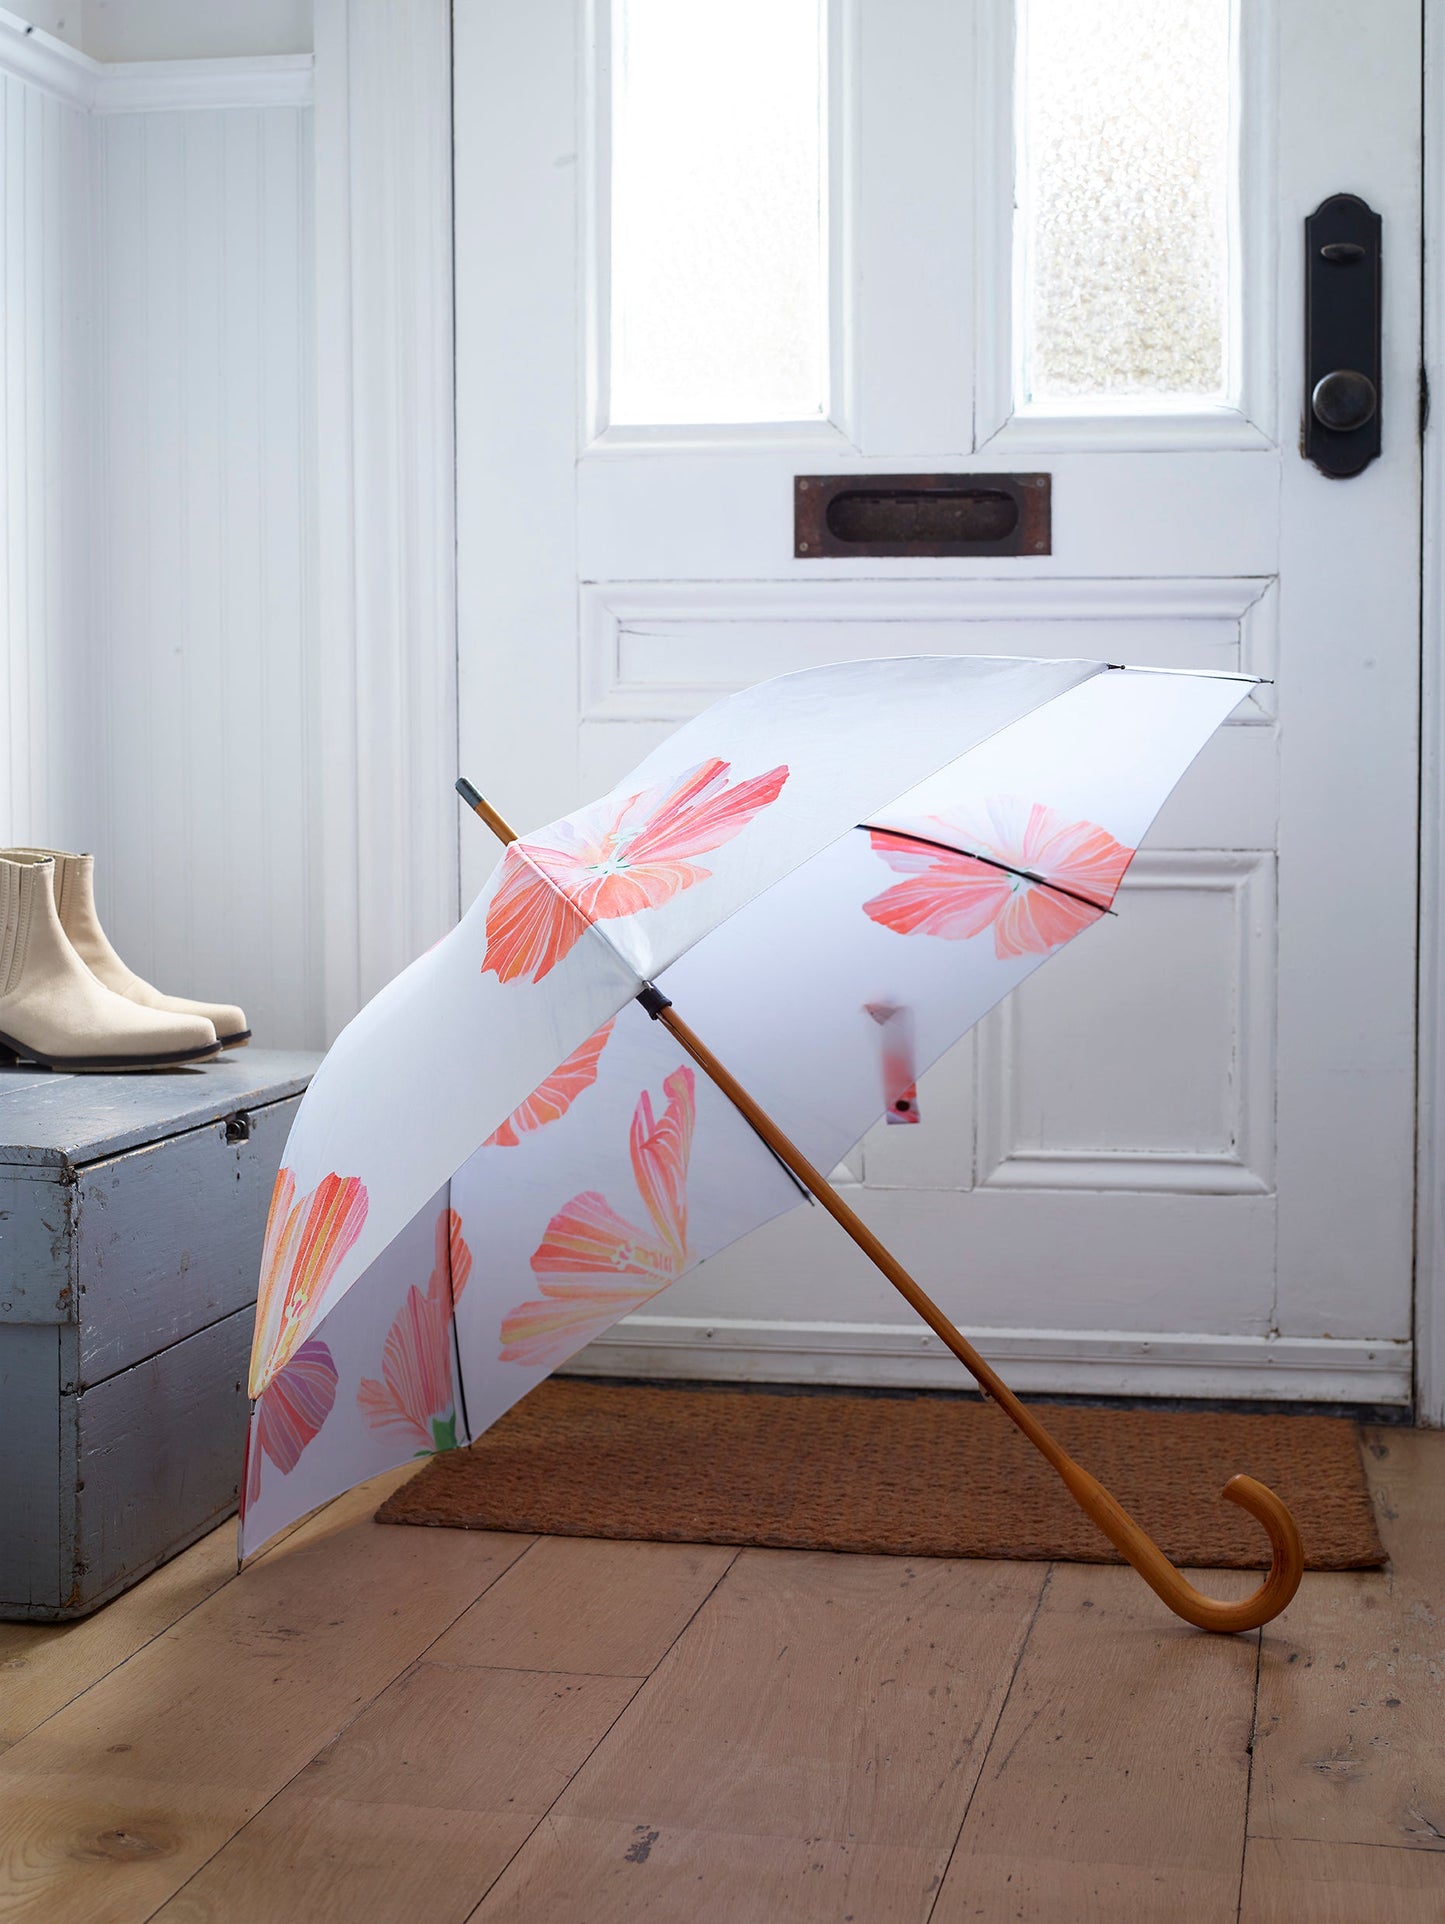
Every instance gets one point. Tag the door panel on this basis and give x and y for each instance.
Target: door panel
(1180, 1158)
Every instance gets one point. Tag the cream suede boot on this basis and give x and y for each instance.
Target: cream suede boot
(52, 1009)
(75, 900)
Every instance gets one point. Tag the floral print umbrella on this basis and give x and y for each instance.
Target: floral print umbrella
(662, 1014)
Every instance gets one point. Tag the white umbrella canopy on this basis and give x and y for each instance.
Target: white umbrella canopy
(831, 877)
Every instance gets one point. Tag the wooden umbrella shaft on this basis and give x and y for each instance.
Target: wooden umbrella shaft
(1133, 1543)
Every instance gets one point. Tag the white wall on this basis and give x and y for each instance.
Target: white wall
(205, 804)
(46, 428)
(159, 522)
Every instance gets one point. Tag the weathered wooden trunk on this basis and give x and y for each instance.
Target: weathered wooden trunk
(132, 1210)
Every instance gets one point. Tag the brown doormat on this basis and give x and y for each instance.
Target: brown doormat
(896, 1474)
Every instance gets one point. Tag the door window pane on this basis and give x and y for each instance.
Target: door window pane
(717, 257)
(1126, 176)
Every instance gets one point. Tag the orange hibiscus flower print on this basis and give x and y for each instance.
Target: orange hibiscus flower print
(614, 861)
(554, 1096)
(1074, 871)
(305, 1242)
(590, 1239)
(415, 1392)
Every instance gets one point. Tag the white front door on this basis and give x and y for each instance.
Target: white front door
(706, 252)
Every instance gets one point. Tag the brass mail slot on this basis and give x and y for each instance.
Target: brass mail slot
(921, 514)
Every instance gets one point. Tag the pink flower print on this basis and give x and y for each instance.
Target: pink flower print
(955, 895)
(589, 1238)
(305, 1243)
(554, 1096)
(415, 1394)
(612, 862)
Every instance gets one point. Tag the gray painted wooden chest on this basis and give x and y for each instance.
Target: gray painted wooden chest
(132, 1211)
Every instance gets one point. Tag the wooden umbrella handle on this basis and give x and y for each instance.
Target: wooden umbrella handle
(1133, 1543)
(1286, 1562)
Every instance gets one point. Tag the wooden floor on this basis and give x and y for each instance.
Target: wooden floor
(402, 1724)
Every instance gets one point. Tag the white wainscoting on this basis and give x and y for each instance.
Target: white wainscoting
(206, 805)
(46, 414)
(173, 699)
(163, 704)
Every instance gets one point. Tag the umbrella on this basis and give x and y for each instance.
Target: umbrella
(665, 1015)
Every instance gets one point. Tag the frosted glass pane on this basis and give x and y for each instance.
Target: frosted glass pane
(717, 310)
(1126, 163)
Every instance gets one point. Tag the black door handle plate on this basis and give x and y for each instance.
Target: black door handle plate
(1342, 336)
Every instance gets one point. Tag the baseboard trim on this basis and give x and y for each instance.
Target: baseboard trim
(1285, 1369)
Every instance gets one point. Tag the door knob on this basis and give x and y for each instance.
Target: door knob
(1342, 336)
(1344, 400)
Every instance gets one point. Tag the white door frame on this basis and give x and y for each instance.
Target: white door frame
(386, 491)
(1430, 1179)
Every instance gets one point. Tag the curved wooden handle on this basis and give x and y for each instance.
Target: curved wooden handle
(1286, 1564)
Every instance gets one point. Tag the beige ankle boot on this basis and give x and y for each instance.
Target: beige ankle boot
(52, 1009)
(75, 899)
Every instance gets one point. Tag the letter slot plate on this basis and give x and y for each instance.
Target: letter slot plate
(835, 515)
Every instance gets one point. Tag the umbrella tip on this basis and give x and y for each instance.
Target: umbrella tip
(479, 805)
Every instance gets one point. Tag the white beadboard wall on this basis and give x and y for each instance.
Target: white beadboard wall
(205, 803)
(157, 525)
(46, 473)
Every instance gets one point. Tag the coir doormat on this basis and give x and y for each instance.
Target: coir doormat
(915, 1475)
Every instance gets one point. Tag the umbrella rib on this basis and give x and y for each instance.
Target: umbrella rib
(1133, 1543)
(456, 1334)
(991, 861)
(1194, 674)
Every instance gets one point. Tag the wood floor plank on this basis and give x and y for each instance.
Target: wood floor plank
(1294, 1881)
(43, 1666)
(111, 1804)
(580, 1604)
(806, 1750)
(579, 1870)
(1350, 1745)
(416, 1807)
(1115, 1785)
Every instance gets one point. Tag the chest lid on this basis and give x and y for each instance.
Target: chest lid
(52, 1124)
